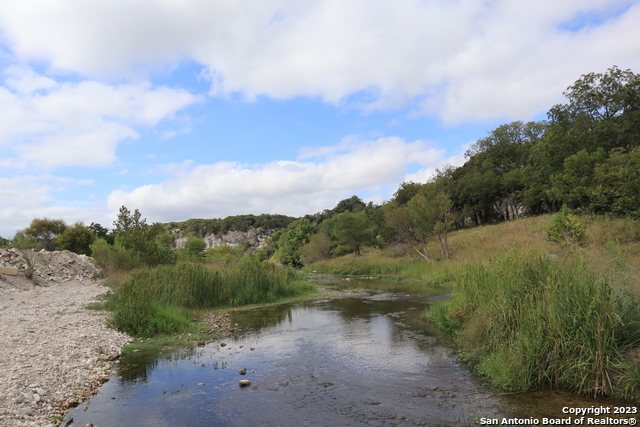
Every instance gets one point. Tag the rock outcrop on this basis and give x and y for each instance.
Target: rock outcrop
(256, 237)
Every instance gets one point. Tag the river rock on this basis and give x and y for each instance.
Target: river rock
(65, 359)
(53, 266)
(244, 383)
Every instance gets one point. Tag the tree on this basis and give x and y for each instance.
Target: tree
(76, 238)
(352, 231)
(127, 222)
(616, 184)
(296, 235)
(101, 232)
(406, 192)
(490, 185)
(574, 185)
(352, 204)
(46, 230)
(318, 248)
(137, 237)
(428, 215)
(603, 96)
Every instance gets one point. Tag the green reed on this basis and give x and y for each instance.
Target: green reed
(529, 321)
(162, 299)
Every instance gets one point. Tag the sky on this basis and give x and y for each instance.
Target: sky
(204, 109)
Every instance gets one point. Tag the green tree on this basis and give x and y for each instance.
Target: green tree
(137, 237)
(616, 184)
(574, 185)
(101, 232)
(490, 185)
(428, 215)
(318, 248)
(195, 246)
(290, 242)
(76, 238)
(165, 240)
(406, 192)
(352, 204)
(46, 230)
(352, 231)
(603, 96)
(127, 222)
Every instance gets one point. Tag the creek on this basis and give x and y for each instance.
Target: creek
(365, 360)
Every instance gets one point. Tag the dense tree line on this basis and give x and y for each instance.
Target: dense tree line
(585, 156)
(201, 227)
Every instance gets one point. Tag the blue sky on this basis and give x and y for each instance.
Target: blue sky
(198, 108)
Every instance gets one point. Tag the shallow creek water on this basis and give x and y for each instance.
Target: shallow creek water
(354, 361)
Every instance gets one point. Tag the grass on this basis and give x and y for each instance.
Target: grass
(529, 322)
(471, 246)
(528, 313)
(165, 299)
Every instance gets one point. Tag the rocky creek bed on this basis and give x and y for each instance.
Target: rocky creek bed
(54, 352)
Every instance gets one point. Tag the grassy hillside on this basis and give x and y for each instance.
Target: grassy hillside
(531, 313)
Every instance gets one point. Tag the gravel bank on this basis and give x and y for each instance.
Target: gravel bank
(53, 351)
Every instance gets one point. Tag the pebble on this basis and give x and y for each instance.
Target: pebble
(63, 361)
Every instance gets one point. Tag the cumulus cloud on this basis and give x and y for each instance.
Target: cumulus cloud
(55, 124)
(288, 187)
(463, 60)
(30, 196)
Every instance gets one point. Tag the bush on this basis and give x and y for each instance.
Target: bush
(195, 246)
(77, 238)
(27, 244)
(565, 228)
(110, 258)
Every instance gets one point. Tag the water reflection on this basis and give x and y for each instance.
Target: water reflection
(367, 360)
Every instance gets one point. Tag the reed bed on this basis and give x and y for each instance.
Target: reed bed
(527, 321)
(163, 299)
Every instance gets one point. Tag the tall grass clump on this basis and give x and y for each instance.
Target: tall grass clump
(161, 300)
(528, 321)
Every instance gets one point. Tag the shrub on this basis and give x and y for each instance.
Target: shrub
(76, 238)
(565, 227)
(110, 258)
(27, 244)
(195, 245)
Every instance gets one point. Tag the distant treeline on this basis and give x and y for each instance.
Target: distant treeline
(201, 227)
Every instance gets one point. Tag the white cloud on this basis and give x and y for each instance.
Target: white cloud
(27, 197)
(465, 59)
(287, 187)
(52, 124)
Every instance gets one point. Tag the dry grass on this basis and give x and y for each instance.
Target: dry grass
(482, 244)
